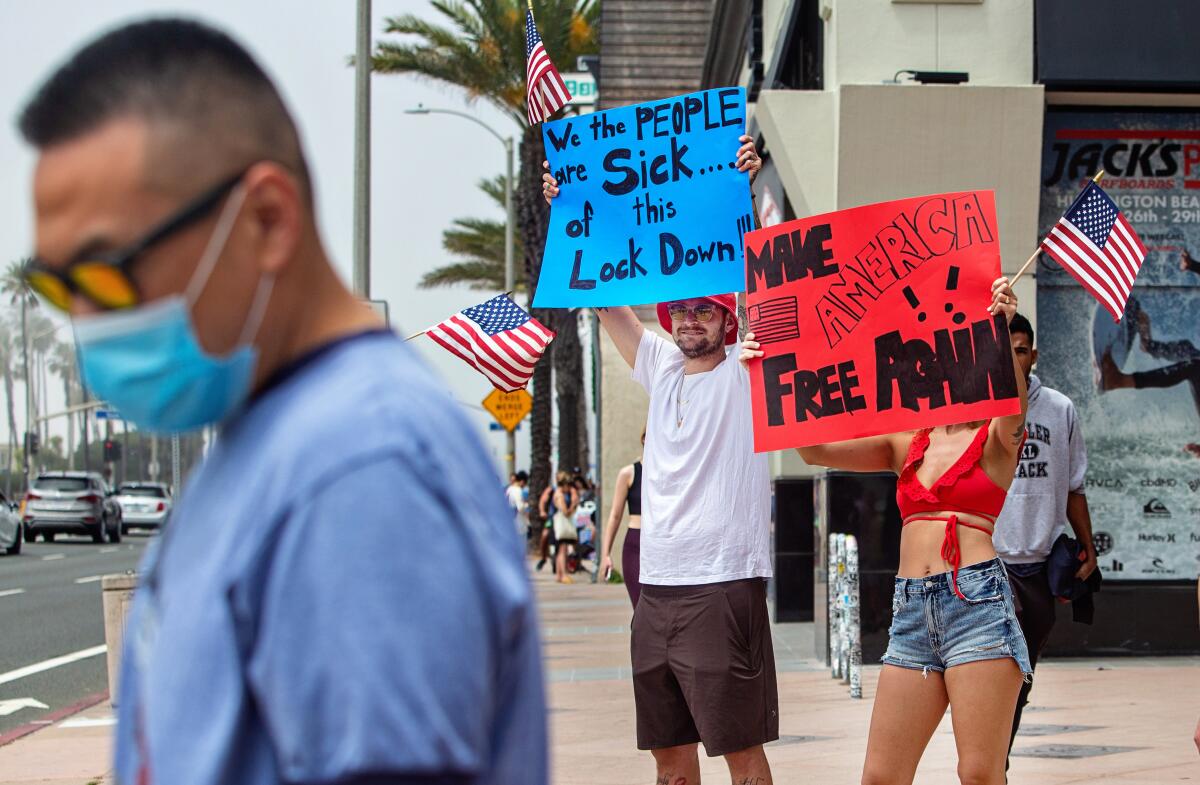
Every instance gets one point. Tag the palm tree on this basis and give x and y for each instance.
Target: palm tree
(481, 242)
(14, 285)
(479, 46)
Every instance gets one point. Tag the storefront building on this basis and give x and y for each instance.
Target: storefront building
(861, 101)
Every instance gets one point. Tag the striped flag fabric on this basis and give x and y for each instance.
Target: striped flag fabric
(496, 338)
(1098, 247)
(775, 320)
(546, 92)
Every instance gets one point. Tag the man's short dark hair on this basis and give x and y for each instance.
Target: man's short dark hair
(207, 102)
(1020, 324)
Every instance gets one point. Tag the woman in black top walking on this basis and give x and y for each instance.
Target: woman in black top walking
(627, 493)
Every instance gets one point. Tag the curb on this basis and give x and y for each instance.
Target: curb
(53, 717)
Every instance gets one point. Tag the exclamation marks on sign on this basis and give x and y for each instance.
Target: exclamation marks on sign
(952, 285)
(913, 302)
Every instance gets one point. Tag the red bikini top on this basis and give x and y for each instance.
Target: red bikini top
(964, 487)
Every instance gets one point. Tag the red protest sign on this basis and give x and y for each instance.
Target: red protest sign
(874, 320)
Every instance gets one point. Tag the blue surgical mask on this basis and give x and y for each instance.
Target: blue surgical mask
(148, 363)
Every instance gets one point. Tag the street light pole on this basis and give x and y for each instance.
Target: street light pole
(510, 273)
(362, 153)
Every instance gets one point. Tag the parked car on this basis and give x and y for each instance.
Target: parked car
(10, 527)
(143, 505)
(71, 503)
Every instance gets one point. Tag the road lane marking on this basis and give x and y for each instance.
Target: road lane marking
(89, 721)
(108, 550)
(11, 592)
(8, 707)
(89, 579)
(54, 557)
(51, 664)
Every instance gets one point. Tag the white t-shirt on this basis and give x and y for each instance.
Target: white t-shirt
(706, 494)
(516, 500)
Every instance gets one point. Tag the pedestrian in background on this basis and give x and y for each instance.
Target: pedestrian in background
(517, 494)
(626, 491)
(291, 623)
(566, 500)
(1046, 495)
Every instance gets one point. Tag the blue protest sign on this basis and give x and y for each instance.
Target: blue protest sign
(651, 204)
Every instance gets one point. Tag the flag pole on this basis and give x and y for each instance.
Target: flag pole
(1038, 250)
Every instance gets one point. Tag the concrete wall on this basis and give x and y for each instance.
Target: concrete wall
(867, 41)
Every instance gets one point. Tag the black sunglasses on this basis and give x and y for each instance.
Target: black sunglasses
(104, 278)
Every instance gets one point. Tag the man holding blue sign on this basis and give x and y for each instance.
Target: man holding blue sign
(703, 666)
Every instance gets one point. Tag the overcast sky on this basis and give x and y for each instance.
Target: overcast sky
(424, 168)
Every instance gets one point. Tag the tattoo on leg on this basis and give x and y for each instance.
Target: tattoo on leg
(750, 781)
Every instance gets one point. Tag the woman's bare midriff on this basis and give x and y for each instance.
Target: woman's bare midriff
(921, 544)
(635, 521)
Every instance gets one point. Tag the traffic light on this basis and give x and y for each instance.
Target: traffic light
(112, 451)
(33, 442)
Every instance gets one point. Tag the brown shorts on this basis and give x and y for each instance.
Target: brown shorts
(703, 667)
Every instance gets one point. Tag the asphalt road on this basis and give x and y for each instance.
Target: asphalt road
(50, 606)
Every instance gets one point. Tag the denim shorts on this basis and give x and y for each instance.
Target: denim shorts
(934, 629)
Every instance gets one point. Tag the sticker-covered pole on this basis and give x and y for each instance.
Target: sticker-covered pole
(853, 621)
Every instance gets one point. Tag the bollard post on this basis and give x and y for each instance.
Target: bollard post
(117, 594)
(839, 652)
(853, 618)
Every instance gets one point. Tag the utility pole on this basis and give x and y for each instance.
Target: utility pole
(174, 465)
(362, 153)
(510, 275)
(28, 383)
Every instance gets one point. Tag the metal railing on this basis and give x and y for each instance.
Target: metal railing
(845, 629)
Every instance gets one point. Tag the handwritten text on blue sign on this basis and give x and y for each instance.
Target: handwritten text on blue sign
(652, 206)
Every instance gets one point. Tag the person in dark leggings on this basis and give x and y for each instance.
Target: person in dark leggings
(628, 492)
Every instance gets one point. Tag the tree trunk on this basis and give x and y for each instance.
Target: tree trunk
(532, 216)
(568, 383)
(12, 424)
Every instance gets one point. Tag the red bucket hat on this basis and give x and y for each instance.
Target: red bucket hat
(726, 301)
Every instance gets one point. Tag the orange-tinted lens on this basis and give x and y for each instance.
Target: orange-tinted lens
(50, 288)
(105, 284)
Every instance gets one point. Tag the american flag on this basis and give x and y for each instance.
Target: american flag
(775, 320)
(1098, 247)
(546, 92)
(496, 338)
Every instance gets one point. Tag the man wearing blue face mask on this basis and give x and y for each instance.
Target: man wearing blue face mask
(292, 624)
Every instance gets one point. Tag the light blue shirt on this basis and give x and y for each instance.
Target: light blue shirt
(339, 597)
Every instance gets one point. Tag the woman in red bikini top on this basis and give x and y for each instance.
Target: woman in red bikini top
(954, 639)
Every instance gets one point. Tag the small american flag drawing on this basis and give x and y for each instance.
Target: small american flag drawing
(546, 92)
(1098, 247)
(775, 320)
(496, 338)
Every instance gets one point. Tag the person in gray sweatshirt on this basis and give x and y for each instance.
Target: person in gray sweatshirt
(1046, 495)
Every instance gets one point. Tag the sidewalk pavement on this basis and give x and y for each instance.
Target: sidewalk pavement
(1125, 721)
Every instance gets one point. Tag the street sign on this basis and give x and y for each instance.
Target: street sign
(495, 426)
(582, 87)
(509, 408)
(107, 414)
